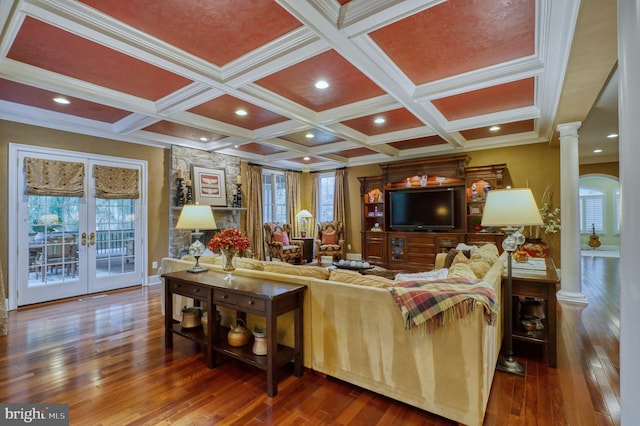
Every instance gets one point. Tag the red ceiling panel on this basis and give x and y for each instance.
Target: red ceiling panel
(224, 109)
(319, 138)
(517, 94)
(397, 119)
(40, 98)
(346, 83)
(418, 142)
(217, 31)
(355, 152)
(178, 130)
(505, 129)
(459, 36)
(56, 50)
(258, 149)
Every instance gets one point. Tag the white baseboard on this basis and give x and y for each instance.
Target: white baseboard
(153, 280)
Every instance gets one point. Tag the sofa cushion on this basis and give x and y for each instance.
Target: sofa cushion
(329, 238)
(303, 271)
(461, 270)
(282, 237)
(436, 274)
(352, 277)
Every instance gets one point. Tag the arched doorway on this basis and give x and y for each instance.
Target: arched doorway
(600, 215)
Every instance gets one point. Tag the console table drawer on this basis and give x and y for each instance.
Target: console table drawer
(225, 297)
(197, 292)
(252, 304)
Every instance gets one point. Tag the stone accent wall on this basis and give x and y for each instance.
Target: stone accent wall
(184, 158)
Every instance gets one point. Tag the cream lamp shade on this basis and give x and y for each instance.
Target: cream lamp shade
(195, 216)
(306, 214)
(511, 208)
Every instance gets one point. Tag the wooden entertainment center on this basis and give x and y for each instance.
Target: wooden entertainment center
(416, 249)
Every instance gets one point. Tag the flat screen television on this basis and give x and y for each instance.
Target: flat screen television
(422, 209)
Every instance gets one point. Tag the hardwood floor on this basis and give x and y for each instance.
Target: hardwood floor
(105, 357)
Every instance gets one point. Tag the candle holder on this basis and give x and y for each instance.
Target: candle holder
(180, 192)
(237, 199)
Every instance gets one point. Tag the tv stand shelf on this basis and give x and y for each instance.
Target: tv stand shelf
(407, 243)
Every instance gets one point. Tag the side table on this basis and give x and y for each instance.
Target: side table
(266, 298)
(541, 284)
(307, 248)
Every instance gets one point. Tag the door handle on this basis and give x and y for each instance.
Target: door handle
(84, 238)
(92, 238)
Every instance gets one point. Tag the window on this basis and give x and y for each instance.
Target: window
(591, 210)
(326, 189)
(274, 197)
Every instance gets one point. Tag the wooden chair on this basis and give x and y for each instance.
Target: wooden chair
(279, 245)
(330, 240)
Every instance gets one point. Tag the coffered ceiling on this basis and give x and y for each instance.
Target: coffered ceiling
(405, 79)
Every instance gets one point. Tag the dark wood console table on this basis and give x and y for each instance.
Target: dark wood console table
(246, 295)
(541, 284)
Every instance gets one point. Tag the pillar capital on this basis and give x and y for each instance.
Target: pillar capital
(569, 129)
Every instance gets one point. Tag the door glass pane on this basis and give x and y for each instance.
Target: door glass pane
(53, 239)
(115, 237)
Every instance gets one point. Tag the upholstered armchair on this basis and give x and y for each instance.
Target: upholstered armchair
(279, 245)
(330, 240)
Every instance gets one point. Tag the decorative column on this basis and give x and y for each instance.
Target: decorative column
(629, 128)
(571, 272)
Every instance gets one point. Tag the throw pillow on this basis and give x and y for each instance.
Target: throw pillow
(461, 270)
(437, 274)
(329, 238)
(456, 256)
(479, 267)
(281, 237)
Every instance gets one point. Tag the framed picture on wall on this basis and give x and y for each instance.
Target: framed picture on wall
(209, 186)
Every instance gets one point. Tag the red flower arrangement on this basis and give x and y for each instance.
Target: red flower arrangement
(229, 239)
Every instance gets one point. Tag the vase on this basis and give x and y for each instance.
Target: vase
(228, 266)
(535, 247)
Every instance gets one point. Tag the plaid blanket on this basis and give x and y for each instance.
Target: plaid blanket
(431, 304)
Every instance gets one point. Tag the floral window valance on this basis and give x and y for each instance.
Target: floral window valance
(53, 178)
(116, 182)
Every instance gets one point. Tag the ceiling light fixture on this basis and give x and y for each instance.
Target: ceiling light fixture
(597, 151)
(61, 100)
(321, 84)
(306, 158)
(379, 120)
(309, 135)
(494, 128)
(203, 139)
(236, 146)
(612, 135)
(241, 112)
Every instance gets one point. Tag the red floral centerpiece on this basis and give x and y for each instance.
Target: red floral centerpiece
(229, 242)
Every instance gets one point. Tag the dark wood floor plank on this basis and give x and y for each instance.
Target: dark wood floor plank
(105, 357)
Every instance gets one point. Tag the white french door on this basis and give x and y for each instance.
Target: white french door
(71, 246)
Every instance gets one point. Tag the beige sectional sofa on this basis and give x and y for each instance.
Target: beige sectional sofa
(354, 331)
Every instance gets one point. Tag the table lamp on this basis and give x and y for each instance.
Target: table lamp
(196, 217)
(303, 217)
(510, 209)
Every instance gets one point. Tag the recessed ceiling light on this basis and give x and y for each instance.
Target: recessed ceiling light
(379, 120)
(306, 158)
(612, 135)
(597, 151)
(61, 100)
(236, 146)
(494, 128)
(203, 139)
(241, 112)
(309, 135)
(321, 84)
